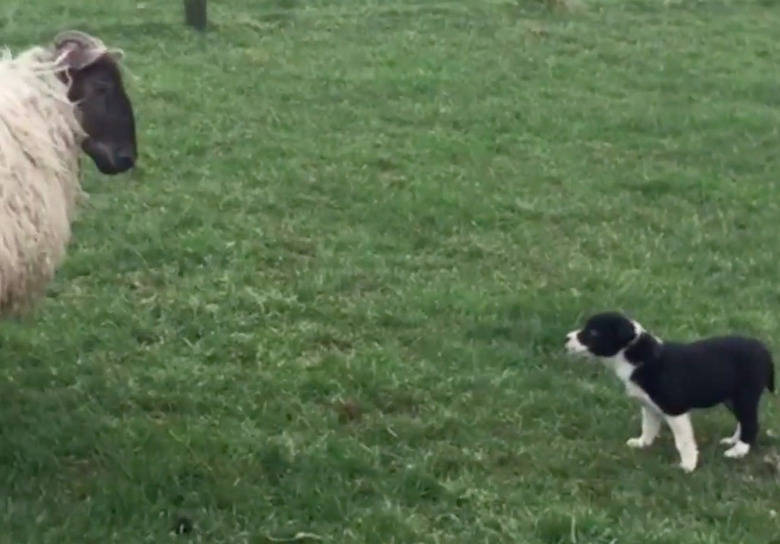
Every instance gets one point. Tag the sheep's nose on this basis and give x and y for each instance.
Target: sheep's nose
(124, 161)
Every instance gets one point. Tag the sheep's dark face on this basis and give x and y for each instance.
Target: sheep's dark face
(106, 116)
(105, 111)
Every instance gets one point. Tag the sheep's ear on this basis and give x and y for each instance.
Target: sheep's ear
(76, 55)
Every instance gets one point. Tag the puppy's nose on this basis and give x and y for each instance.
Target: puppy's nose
(568, 337)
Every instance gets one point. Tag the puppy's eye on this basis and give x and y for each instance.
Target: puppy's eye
(593, 333)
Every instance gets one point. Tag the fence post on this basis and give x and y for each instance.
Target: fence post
(195, 14)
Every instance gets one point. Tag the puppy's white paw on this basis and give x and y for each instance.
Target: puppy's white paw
(688, 465)
(734, 438)
(639, 443)
(737, 451)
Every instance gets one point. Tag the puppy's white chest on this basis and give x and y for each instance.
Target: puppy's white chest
(636, 392)
(623, 369)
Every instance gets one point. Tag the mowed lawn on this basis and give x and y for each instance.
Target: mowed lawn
(330, 304)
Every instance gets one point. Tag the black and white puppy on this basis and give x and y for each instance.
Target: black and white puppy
(672, 378)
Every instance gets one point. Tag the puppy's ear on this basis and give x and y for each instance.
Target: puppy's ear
(645, 349)
(626, 333)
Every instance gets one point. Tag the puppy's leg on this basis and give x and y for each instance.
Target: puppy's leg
(651, 426)
(684, 440)
(746, 410)
(733, 439)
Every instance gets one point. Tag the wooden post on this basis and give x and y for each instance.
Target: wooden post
(195, 14)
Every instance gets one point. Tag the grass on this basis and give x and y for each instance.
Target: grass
(331, 301)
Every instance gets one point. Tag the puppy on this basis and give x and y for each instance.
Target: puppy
(670, 379)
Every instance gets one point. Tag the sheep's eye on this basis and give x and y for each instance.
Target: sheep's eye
(100, 86)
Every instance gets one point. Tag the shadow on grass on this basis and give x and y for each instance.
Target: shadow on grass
(525, 325)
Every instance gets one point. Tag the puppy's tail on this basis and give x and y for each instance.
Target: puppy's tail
(770, 379)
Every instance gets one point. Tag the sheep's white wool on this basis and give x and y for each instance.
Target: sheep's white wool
(40, 188)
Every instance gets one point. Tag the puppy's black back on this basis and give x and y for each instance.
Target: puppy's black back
(700, 374)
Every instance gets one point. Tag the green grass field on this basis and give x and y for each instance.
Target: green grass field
(331, 302)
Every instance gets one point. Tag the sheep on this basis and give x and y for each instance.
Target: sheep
(55, 102)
